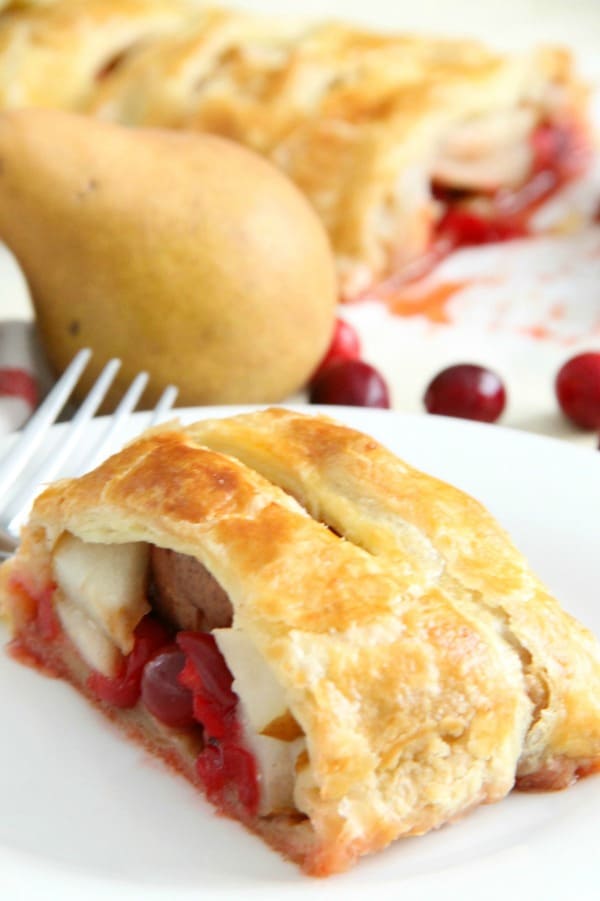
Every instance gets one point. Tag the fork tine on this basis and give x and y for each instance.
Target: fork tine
(74, 429)
(125, 407)
(166, 401)
(47, 414)
(33, 433)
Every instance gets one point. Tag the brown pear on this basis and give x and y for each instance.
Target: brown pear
(182, 254)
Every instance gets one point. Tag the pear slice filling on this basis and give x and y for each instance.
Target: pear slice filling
(102, 594)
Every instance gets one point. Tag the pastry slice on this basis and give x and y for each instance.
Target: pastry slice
(328, 695)
(406, 145)
(433, 533)
(53, 53)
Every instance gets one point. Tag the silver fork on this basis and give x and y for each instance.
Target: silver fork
(16, 498)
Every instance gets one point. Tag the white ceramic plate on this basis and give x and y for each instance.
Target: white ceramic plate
(86, 814)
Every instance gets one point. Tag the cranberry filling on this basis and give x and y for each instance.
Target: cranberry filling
(558, 155)
(463, 228)
(560, 149)
(181, 685)
(123, 690)
(223, 763)
(208, 678)
(46, 621)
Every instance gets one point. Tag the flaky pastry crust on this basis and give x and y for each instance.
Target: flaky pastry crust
(430, 531)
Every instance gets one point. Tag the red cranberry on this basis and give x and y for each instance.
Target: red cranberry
(162, 692)
(468, 391)
(345, 345)
(207, 676)
(351, 382)
(124, 689)
(221, 766)
(578, 389)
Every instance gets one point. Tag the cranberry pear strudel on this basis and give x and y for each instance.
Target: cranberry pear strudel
(337, 649)
(407, 146)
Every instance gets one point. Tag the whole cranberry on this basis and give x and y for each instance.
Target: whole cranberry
(345, 345)
(350, 382)
(467, 391)
(162, 693)
(578, 389)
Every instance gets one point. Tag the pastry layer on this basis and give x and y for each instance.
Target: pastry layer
(432, 533)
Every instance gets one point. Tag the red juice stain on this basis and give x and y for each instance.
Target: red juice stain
(430, 303)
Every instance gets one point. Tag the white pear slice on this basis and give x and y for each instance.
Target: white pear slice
(91, 641)
(263, 697)
(262, 703)
(108, 583)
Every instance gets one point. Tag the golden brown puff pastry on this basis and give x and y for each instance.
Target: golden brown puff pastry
(429, 531)
(374, 696)
(19, 4)
(52, 55)
(365, 124)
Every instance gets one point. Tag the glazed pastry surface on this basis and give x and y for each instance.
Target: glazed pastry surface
(430, 531)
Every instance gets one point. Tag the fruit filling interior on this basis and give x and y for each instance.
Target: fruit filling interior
(182, 662)
(489, 211)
